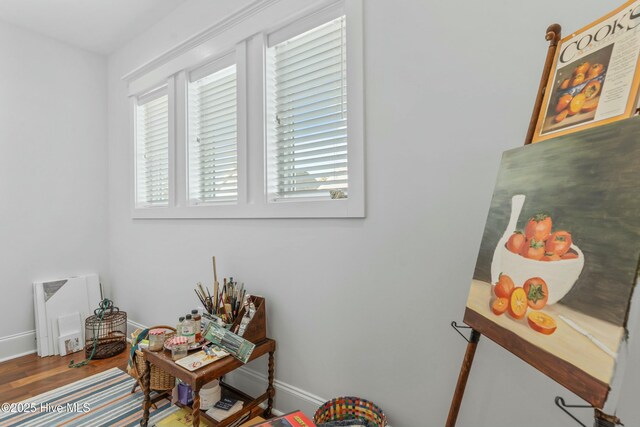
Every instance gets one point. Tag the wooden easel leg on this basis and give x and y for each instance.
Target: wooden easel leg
(604, 420)
(462, 378)
(553, 37)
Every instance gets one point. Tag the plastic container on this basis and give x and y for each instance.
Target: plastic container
(179, 348)
(189, 330)
(179, 326)
(210, 394)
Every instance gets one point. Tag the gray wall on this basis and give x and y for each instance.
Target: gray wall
(449, 86)
(53, 172)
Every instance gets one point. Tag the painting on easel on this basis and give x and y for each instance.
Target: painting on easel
(559, 256)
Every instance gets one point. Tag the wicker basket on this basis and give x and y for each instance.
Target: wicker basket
(160, 380)
(349, 408)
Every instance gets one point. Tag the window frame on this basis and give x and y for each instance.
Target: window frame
(249, 48)
(273, 39)
(194, 75)
(159, 91)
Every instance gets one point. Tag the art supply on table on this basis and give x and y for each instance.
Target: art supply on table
(179, 347)
(202, 358)
(237, 346)
(249, 311)
(179, 326)
(210, 394)
(189, 330)
(225, 302)
(156, 339)
(185, 394)
(197, 324)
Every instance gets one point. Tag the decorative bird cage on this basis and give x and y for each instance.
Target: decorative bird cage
(105, 332)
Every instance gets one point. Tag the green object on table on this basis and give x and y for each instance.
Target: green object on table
(237, 346)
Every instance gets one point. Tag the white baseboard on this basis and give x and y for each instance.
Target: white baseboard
(288, 397)
(132, 326)
(17, 345)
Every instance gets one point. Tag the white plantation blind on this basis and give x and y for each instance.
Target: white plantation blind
(308, 114)
(152, 151)
(213, 145)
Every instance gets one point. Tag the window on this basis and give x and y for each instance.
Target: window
(213, 145)
(152, 149)
(307, 114)
(259, 116)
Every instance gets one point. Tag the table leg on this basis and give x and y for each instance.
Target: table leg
(146, 385)
(271, 391)
(196, 408)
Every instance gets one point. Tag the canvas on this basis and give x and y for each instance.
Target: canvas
(558, 262)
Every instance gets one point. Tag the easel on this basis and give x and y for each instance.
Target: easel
(601, 419)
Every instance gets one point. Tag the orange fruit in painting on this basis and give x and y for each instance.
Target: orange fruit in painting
(592, 89)
(590, 105)
(563, 102)
(565, 84)
(551, 257)
(515, 242)
(577, 103)
(504, 286)
(533, 249)
(518, 303)
(595, 71)
(578, 79)
(559, 242)
(582, 69)
(561, 116)
(538, 227)
(541, 322)
(570, 255)
(499, 306)
(537, 293)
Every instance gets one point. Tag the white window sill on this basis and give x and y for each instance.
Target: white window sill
(343, 208)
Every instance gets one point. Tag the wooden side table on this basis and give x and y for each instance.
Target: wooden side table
(202, 376)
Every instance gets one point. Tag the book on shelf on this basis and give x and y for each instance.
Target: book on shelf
(225, 408)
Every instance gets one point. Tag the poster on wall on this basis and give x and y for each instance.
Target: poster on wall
(595, 76)
(559, 256)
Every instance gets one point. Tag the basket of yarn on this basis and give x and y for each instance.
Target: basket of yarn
(349, 411)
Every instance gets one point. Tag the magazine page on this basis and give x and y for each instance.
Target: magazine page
(594, 78)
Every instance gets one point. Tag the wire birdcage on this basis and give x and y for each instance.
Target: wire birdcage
(106, 331)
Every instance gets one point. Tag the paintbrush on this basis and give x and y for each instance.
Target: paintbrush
(216, 285)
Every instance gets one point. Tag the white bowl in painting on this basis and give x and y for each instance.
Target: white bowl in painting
(560, 276)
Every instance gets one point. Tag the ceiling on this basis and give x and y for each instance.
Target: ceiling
(100, 26)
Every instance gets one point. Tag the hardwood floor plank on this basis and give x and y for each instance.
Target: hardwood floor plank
(30, 375)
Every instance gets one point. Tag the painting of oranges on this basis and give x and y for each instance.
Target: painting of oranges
(577, 91)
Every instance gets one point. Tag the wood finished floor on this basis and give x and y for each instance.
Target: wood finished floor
(30, 375)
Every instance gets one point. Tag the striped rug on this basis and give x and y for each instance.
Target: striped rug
(104, 399)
